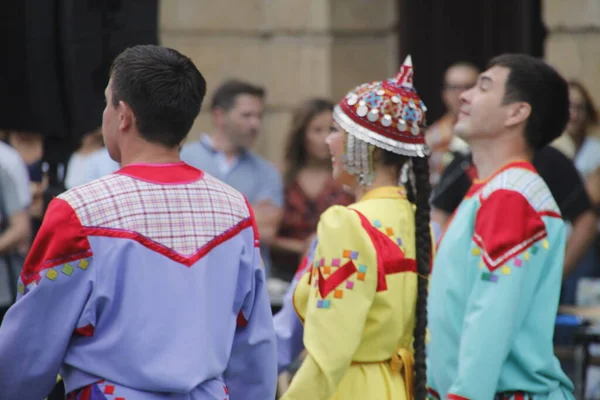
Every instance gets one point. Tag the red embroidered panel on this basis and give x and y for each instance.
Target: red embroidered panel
(506, 225)
(390, 258)
(60, 240)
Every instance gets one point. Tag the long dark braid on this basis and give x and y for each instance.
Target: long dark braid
(423, 249)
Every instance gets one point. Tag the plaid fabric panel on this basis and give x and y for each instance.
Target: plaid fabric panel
(528, 183)
(181, 217)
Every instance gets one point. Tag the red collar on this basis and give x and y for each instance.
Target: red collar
(171, 173)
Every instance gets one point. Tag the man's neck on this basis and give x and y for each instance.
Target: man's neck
(221, 144)
(150, 154)
(491, 155)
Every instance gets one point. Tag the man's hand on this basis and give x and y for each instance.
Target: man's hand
(267, 217)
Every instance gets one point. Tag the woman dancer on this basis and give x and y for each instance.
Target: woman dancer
(363, 301)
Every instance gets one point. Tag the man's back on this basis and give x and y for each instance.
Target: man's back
(167, 292)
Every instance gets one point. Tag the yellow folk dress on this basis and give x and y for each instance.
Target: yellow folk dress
(358, 301)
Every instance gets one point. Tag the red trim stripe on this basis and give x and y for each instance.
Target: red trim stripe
(452, 396)
(433, 393)
(165, 251)
(254, 224)
(548, 213)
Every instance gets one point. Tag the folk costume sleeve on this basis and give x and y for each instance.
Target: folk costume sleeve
(343, 284)
(288, 327)
(252, 371)
(510, 254)
(54, 303)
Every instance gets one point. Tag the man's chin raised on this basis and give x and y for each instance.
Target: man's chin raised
(461, 129)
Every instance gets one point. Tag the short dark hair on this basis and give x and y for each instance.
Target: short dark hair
(535, 82)
(226, 94)
(164, 89)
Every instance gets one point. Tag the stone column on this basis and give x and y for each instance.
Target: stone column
(296, 48)
(573, 44)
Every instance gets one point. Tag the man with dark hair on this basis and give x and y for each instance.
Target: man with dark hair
(146, 283)
(237, 113)
(496, 278)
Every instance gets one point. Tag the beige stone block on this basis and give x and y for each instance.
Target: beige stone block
(273, 139)
(571, 14)
(363, 15)
(360, 60)
(211, 15)
(297, 15)
(220, 58)
(563, 52)
(577, 56)
(296, 68)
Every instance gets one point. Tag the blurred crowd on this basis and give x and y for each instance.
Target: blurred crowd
(289, 198)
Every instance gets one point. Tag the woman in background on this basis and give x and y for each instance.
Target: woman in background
(581, 143)
(309, 186)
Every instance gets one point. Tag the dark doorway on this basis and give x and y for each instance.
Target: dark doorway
(438, 33)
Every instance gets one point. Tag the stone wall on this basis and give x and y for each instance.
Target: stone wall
(296, 48)
(573, 43)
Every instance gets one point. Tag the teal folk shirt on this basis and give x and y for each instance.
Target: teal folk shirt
(494, 292)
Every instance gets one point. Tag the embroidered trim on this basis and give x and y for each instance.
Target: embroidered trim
(495, 264)
(456, 397)
(344, 272)
(364, 134)
(159, 248)
(524, 181)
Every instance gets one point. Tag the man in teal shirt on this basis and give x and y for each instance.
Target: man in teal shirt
(496, 278)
